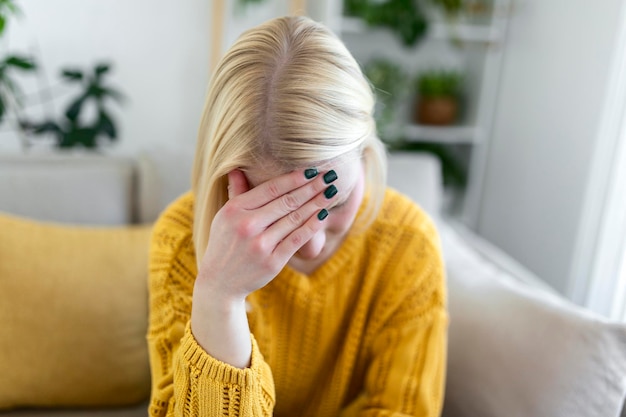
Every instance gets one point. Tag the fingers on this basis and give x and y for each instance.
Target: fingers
(289, 204)
(277, 187)
(237, 183)
(288, 209)
(296, 218)
(298, 237)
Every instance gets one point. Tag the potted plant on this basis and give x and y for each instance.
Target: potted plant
(403, 17)
(438, 93)
(390, 83)
(70, 130)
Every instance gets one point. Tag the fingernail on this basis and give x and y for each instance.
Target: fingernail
(330, 176)
(322, 214)
(330, 191)
(310, 173)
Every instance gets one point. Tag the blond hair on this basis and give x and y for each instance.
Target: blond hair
(288, 92)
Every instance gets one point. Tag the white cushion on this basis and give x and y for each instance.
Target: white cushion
(417, 175)
(517, 350)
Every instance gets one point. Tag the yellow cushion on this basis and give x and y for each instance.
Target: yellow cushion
(73, 314)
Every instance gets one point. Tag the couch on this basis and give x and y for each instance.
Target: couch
(74, 230)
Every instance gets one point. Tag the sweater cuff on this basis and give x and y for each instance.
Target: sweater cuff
(205, 364)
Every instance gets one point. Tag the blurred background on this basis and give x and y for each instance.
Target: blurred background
(523, 102)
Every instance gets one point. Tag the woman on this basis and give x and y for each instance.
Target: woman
(289, 281)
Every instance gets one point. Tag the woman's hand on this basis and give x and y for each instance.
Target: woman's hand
(257, 231)
(253, 236)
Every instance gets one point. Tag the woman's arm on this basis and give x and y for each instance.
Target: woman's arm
(252, 238)
(187, 381)
(215, 358)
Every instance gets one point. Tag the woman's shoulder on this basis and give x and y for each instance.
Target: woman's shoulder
(404, 248)
(403, 231)
(398, 212)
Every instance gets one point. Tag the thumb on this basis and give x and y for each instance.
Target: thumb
(237, 183)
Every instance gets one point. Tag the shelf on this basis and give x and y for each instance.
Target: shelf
(441, 31)
(464, 32)
(444, 134)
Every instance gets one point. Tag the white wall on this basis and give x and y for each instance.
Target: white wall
(549, 107)
(160, 53)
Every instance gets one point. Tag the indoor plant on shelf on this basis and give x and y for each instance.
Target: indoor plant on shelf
(403, 17)
(438, 95)
(390, 84)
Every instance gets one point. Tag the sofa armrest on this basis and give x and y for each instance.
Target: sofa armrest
(517, 348)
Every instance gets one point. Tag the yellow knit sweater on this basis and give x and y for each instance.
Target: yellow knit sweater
(364, 335)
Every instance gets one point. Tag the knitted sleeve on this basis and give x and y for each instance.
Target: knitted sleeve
(186, 380)
(408, 339)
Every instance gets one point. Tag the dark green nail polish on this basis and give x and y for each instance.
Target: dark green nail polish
(330, 176)
(322, 214)
(310, 173)
(330, 191)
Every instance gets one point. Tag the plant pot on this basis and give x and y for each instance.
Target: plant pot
(439, 111)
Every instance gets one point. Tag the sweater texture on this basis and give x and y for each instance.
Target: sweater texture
(364, 335)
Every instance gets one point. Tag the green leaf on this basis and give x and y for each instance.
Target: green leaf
(21, 62)
(451, 7)
(439, 83)
(405, 17)
(73, 111)
(85, 136)
(72, 75)
(46, 127)
(106, 125)
(3, 23)
(8, 4)
(2, 109)
(12, 7)
(102, 69)
(95, 91)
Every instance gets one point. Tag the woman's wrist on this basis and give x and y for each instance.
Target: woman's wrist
(220, 326)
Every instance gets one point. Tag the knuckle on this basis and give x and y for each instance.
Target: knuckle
(273, 190)
(295, 217)
(302, 235)
(297, 239)
(245, 227)
(321, 202)
(230, 210)
(290, 202)
(259, 245)
(271, 264)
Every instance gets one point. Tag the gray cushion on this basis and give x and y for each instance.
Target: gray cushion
(78, 188)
